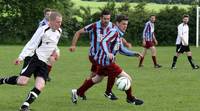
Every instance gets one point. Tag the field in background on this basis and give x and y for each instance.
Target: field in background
(150, 6)
(161, 89)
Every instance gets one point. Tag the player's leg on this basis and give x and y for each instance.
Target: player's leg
(112, 71)
(189, 56)
(130, 98)
(34, 93)
(142, 58)
(25, 74)
(179, 51)
(40, 74)
(175, 60)
(153, 53)
(94, 69)
(84, 87)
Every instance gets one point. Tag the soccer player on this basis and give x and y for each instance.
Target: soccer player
(182, 43)
(111, 44)
(97, 32)
(43, 43)
(149, 41)
(56, 54)
(47, 12)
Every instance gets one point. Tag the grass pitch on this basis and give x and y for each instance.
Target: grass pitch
(161, 89)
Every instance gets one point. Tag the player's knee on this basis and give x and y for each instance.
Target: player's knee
(40, 86)
(22, 82)
(189, 53)
(97, 79)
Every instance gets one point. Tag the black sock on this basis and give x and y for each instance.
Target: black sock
(190, 60)
(174, 61)
(10, 80)
(33, 94)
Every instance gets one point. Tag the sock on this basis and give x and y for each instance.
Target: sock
(85, 86)
(154, 60)
(10, 80)
(190, 60)
(174, 61)
(33, 94)
(110, 83)
(129, 94)
(141, 61)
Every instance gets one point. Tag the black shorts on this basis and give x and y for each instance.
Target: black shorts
(26, 61)
(181, 48)
(34, 66)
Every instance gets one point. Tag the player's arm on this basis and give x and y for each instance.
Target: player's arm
(124, 51)
(127, 44)
(77, 35)
(75, 39)
(154, 39)
(107, 39)
(180, 30)
(31, 45)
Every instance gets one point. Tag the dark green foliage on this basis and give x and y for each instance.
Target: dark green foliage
(19, 19)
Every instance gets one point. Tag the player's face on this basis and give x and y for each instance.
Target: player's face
(56, 23)
(105, 19)
(47, 14)
(185, 20)
(153, 19)
(123, 25)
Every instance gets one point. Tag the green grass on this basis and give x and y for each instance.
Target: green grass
(150, 6)
(161, 89)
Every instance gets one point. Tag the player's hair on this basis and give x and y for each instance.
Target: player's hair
(121, 17)
(152, 15)
(54, 14)
(105, 12)
(185, 15)
(46, 10)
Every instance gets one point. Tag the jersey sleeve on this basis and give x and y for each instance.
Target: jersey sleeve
(89, 27)
(124, 51)
(32, 44)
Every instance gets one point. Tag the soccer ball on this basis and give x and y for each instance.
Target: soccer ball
(123, 83)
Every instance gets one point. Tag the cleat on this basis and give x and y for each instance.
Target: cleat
(110, 95)
(74, 97)
(196, 67)
(24, 109)
(157, 66)
(135, 101)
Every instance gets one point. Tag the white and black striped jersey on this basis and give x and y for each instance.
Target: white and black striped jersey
(43, 43)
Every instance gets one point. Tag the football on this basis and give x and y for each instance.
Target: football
(123, 83)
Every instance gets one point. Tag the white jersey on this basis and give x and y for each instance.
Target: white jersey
(183, 34)
(43, 43)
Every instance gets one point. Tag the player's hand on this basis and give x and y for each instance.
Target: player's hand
(18, 61)
(72, 48)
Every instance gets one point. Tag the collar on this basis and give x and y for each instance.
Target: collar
(121, 33)
(100, 25)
